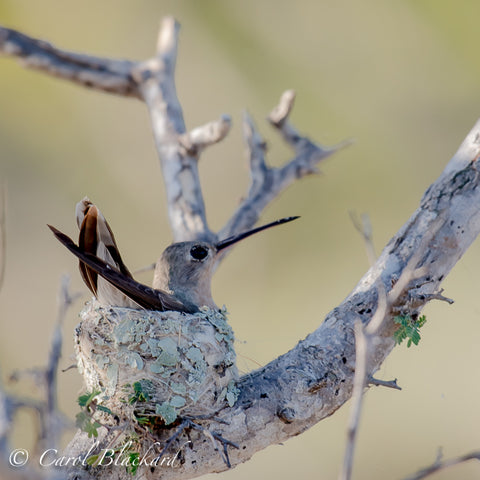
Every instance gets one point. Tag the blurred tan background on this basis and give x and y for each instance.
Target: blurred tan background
(402, 78)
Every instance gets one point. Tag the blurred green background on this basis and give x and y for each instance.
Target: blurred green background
(401, 77)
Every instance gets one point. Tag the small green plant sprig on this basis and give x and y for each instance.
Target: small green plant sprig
(139, 393)
(409, 328)
(84, 420)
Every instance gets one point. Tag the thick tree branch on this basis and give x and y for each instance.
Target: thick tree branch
(311, 381)
(315, 378)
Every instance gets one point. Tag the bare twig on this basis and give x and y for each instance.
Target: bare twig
(3, 232)
(442, 465)
(73, 366)
(112, 76)
(365, 337)
(383, 383)
(302, 146)
(214, 436)
(364, 227)
(359, 383)
(436, 296)
(268, 182)
(54, 423)
(176, 434)
(7, 409)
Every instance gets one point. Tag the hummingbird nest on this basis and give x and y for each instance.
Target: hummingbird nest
(157, 366)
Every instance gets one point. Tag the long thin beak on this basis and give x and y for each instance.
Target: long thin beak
(236, 238)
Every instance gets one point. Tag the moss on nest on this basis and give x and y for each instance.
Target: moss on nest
(186, 363)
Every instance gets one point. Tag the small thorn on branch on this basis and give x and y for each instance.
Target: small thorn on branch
(383, 383)
(199, 138)
(439, 296)
(422, 298)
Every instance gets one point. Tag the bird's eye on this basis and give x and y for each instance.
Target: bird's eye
(198, 252)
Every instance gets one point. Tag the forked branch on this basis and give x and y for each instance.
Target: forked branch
(266, 183)
(153, 81)
(51, 422)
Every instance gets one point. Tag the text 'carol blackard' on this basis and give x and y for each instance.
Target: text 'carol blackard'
(123, 456)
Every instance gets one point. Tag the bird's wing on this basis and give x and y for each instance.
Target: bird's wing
(142, 295)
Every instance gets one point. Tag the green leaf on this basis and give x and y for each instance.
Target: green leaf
(104, 409)
(139, 395)
(408, 329)
(415, 337)
(86, 399)
(86, 424)
(143, 420)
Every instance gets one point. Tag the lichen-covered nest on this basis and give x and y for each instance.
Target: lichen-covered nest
(160, 364)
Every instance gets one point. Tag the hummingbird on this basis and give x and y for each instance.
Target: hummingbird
(182, 276)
